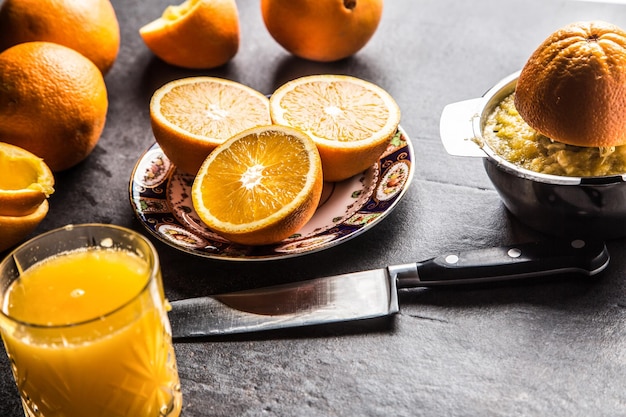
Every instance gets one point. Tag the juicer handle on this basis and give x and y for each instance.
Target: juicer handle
(456, 127)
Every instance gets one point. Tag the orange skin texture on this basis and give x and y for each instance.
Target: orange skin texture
(53, 102)
(322, 30)
(29, 201)
(340, 163)
(573, 87)
(187, 155)
(87, 26)
(207, 37)
(14, 229)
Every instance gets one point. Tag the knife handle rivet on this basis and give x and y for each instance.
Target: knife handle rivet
(451, 259)
(514, 253)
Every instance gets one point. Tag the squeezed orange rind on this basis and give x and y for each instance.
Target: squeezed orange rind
(25, 184)
(198, 34)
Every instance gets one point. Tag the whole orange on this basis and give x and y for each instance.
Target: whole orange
(572, 89)
(53, 102)
(87, 26)
(322, 30)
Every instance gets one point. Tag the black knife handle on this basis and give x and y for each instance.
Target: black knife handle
(578, 256)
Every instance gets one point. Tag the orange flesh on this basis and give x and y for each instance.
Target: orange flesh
(248, 172)
(338, 110)
(207, 109)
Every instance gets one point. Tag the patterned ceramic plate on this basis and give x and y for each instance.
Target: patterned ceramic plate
(161, 198)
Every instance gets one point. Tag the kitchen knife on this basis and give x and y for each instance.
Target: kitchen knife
(374, 293)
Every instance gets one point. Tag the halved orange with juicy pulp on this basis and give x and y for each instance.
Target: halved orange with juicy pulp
(351, 120)
(191, 116)
(261, 186)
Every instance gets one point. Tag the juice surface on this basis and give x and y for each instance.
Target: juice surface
(119, 365)
(76, 287)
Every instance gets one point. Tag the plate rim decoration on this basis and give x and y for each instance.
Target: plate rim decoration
(161, 201)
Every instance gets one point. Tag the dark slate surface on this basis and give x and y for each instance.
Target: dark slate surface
(556, 348)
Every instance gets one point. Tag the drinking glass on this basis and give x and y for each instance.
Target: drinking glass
(84, 323)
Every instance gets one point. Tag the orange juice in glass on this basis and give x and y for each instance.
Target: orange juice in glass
(84, 323)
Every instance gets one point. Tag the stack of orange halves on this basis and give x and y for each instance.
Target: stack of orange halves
(25, 184)
(260, 163)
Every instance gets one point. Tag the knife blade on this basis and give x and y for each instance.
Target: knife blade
(374, 293)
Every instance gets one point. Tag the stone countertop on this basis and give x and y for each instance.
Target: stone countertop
(555, 348)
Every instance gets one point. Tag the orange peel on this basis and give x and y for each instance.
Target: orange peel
(25, 184)
(198, 34)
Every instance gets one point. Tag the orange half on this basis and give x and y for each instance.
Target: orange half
(191, 116)
(261, 186)
(351, 120)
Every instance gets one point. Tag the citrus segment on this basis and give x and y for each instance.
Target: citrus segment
(572, 89)
(195, 34)
(25, 181)
(351, 120)
(260, 186)
(87, 26)
(53, 102)
(191, 116)
(322, 30)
